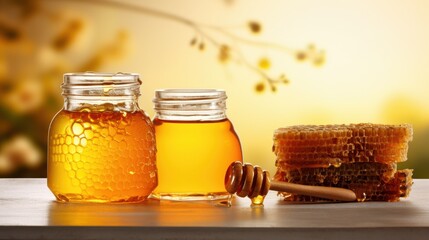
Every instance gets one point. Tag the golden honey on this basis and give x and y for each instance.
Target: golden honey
(193, 157)
(101, 151)
(196, 143)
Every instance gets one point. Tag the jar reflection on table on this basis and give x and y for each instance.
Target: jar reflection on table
(101, 145)
(196, 142)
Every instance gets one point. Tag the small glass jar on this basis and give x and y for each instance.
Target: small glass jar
(101, 145)
(196, 143)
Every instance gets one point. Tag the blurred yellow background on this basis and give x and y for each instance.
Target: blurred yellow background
(342, 61)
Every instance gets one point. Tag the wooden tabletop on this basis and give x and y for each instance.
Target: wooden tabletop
(28, 211)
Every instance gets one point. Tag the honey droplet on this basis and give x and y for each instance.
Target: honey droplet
(106, 90)
(360, 195)
(258, 201)
(225, 203)
(336, 162)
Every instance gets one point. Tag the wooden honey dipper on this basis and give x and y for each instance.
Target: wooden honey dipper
(246, 180)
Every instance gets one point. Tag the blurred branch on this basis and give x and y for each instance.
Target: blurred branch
(226, 52)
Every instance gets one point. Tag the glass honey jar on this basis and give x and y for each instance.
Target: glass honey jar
(101, 145)
(196, 143)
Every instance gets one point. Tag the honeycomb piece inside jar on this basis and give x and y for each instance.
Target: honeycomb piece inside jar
(102, 157)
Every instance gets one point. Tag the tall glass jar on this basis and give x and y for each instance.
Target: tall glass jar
(101, 145)
(196, 143)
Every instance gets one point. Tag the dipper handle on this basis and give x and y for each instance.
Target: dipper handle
(246, 180)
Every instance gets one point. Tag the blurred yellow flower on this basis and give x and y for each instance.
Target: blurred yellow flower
(26, 96)
(319, 59)
(260, 87)
(6, 166)
(3, 68)
(224, 53)
(193, 41)
(254, 27)
(301, 55)
(68, 35)
(19, 152)
(201, 46)
(264, 63)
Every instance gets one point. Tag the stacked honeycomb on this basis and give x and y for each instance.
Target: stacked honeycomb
(360, 157)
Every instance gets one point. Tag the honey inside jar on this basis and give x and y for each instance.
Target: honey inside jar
(193, 157)
(103, 150)
(196, 143)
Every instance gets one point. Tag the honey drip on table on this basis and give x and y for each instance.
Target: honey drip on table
(102, 156)
(360, 195)
(258, 201)
(225, 203)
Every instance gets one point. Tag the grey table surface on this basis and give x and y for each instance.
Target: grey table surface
(28, 211)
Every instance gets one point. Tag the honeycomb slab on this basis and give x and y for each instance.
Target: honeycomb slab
(361, 157)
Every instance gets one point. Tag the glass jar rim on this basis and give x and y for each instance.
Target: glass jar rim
(96, 78)
(107, 85)
(190, 104)
(189, 94)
